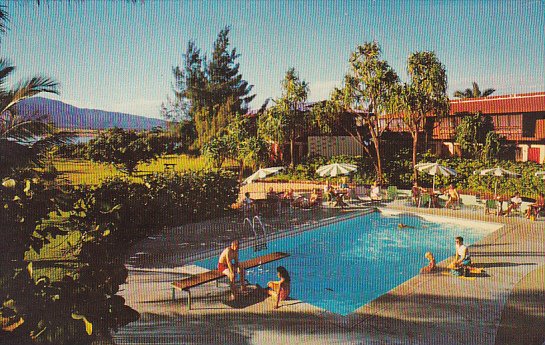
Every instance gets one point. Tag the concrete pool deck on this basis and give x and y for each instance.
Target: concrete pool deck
(501, 307)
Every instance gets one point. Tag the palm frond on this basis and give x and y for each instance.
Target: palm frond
(28, 88)
(25, 130)
(6, 68)
(488, 92)
(4, 19)
(476, 92)
(459, 94)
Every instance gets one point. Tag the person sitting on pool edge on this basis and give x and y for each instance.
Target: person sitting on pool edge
(228, 265)
(279, 290)
(431, 266)
(462, 259)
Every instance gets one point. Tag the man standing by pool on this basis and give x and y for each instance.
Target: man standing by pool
(228, 264)
(462, 260)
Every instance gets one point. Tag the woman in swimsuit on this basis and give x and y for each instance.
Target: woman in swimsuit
(280, 289)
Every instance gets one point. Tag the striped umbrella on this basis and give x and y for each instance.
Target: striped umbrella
(497, 172)
(262, 173)
(336, 169)
(435, 169)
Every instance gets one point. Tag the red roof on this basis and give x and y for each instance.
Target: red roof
(521, 103)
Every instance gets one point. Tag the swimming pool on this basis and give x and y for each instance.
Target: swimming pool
(345, 265)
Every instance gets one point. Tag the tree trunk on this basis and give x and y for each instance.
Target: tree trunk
(240, 171)
(292, 163)
(415, 149)
(378, 164)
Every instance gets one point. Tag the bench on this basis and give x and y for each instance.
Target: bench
(213, 275)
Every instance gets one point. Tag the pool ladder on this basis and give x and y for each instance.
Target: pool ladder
(259, 244)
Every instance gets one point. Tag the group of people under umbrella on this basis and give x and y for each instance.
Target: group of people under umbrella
(335, 195)
(496, 202)
(434, 169)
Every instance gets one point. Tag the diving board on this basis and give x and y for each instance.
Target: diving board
(206, 277)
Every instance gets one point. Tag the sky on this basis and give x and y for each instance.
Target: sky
(118, 55)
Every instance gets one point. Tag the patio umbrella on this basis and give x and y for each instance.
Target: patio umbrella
(336, 169)
(498, 172)
(435, 169)
(262, 173)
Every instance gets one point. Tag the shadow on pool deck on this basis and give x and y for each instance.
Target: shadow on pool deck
(422, 320)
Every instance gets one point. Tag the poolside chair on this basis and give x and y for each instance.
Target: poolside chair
(425, 200)
(478, 199)
(391, 193)
(490, 205)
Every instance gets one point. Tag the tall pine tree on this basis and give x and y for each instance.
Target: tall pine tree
(209, 92)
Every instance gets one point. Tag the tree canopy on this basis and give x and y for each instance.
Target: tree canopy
(124, 149)
(367, 94)
(474, 92)
(424, 94)
(209, 92)
(287, 119)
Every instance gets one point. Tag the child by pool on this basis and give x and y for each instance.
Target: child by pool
(431, 266)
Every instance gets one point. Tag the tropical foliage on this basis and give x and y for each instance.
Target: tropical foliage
(287, 119)
(124, 149)
(82, 305)
(238, 144)
(474, 92)
(471, 134)
(24, 140)
(186, 197)
(424, 94)
(367, 95)
(208, 92)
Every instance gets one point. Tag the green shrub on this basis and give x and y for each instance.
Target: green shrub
(191, 196)
(124, 149)
(76, 150)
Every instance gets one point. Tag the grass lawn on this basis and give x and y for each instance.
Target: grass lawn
(79, 171)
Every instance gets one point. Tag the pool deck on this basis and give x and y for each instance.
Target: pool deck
(504, 306)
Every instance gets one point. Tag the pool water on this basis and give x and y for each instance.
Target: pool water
(345, 265)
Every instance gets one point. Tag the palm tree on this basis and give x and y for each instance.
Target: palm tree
(286, 120)
(4, 19)
(23, 140)
(474, 93)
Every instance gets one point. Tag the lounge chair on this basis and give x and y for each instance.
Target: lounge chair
(490, 204)
(391, 193)
(425, 200)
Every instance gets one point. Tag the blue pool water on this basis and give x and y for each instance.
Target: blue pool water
(345, 265)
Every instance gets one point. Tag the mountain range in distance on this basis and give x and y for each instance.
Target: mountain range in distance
(70, 117)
